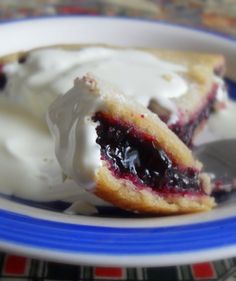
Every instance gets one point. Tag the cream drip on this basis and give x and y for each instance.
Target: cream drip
(74, 131)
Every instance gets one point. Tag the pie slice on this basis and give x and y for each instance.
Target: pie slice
(122, 152)
(187, 89)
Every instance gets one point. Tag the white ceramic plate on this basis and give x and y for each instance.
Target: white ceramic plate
(121, 241)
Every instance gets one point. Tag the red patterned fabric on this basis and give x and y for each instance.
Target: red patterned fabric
(108, 272)
(203, 271)
(15, 265)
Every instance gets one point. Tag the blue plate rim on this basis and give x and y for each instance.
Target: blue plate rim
(86, 244)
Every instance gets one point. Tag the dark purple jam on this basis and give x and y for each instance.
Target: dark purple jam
(135, 156)
(186, 132)
(3, 80)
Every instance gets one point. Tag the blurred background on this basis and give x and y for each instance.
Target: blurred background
(216, 15)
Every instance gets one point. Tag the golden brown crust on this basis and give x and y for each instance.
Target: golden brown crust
(210, 61)
(125, 195)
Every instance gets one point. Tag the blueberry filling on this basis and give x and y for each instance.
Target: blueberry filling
(135, 156)
(3, 80)
(186, 132)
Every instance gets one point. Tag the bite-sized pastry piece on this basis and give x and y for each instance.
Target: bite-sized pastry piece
(181, 87)
(122, 152)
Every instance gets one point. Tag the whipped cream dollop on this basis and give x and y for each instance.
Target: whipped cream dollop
(47, 73)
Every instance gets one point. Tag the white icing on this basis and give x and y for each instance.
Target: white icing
(50, 72)
(69, 119)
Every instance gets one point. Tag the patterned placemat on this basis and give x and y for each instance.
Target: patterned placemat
(20, 268)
